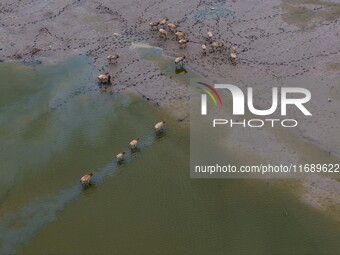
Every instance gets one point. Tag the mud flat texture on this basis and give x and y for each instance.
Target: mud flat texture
(280, 43)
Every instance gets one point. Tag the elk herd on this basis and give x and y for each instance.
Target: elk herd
(165, 28)
(168, 30)
(86, 180)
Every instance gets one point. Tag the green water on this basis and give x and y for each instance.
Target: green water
(55, 125)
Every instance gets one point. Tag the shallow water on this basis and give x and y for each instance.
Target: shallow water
(56, 125)
(307, 13)
(166, 64)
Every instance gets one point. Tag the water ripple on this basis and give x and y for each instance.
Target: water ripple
(17, 228)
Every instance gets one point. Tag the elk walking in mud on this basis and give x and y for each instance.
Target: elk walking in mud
(183, 43)
(210, 35)
(180, 35)
(163, 33)
(204, 48)
(233, 55)
(217, 45)
(104, 79)
(164, 21)
(172, 26)
(111, 58)
(153, 25)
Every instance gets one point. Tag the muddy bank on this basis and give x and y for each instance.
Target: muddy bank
(277, 45)
(280, 43)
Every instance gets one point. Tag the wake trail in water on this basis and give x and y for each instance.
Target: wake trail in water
(16, 228)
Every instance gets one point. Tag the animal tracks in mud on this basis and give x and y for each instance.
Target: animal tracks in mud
(233, 22)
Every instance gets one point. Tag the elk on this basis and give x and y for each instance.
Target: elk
(112, 57)
(180, 35)
(180, 59)
(133, 143)
(163, 33)
(217, 45)
(204, 48)
(233, 55)
(104, 79)
(183, 42)
(159, 126)
(86, 179)
(172, 26)
(153, 25)
(210, 35)
(120, 156)
(164, 21)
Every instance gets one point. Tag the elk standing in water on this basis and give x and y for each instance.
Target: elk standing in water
(159, 126)
(120, 156)
(180, 60)
(133, 143)
(86, 179)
